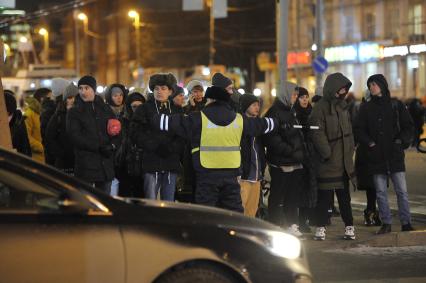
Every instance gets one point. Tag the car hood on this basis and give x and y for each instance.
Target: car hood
(192, 214)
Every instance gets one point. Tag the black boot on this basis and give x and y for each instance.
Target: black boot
(368, 217)
(376, 219)
(386, 228)
(407, 227)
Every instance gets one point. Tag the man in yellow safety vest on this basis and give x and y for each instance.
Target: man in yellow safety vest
(215, 135)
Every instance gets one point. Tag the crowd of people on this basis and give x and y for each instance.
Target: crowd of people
(217, 146)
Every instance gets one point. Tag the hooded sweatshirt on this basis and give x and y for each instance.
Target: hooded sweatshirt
(285, 146)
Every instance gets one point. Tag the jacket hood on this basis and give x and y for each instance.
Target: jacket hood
(381, 81)
(33, 104)
(108, 93)
(285, 97)
(333, 83)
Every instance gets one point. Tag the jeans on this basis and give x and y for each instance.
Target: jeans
(400, 186)
(114, 187)
(163, 182)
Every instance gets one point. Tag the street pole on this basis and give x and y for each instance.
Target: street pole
(282, 22)
(46, 46)
(211, 49)
(77, 46)
(138, 40)
(318, 38)
(5, 139)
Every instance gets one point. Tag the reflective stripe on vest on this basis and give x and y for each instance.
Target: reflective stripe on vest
(220, 145)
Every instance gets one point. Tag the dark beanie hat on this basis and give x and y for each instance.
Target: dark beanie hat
(380, 80)
(88, 80)
(302, 91)
(217, 93)
(220, 80)
(41, 93)
(10, 101)
(168, 80)
(177, 90)
(246, 100)
(135, 96)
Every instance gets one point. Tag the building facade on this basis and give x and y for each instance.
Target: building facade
(361, 38)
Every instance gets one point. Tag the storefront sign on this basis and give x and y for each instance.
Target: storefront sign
(418, 48)
(368, 51)
(298, 58)
(341, 53)
(394, 51)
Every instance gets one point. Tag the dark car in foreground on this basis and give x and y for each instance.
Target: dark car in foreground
(54, 228)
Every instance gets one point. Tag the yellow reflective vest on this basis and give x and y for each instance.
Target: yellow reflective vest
(220, 145)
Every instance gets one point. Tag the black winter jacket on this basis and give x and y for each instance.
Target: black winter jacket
(161, 150)
(220, 113)
(387, 124)
(247, 144)
(59, 141)
(87, 128)
(284, 147)
(18, 132)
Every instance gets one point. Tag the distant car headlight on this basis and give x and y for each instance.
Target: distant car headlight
(276, 242)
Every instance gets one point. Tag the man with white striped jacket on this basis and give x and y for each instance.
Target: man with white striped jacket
(215, 135)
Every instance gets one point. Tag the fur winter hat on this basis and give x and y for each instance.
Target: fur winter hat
(217, 93)
(168, 80)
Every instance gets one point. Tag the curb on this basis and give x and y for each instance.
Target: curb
(394, 239)
(417, 217)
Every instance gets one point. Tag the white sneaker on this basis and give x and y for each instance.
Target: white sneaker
(349, 233)
(294, 230)
(319, 234)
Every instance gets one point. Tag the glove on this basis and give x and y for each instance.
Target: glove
(163, 150)
(107, 150)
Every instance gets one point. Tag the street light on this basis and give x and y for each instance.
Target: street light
(43, 32)
(23, 39)
(83, 17)
(135, 15)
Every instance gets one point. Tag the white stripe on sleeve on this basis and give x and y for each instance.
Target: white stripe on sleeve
(267, 129)
(272, 124)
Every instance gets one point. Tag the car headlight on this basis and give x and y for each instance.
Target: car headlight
(276, 242)
(284, 245)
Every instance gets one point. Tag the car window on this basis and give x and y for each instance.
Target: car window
(20, 194)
